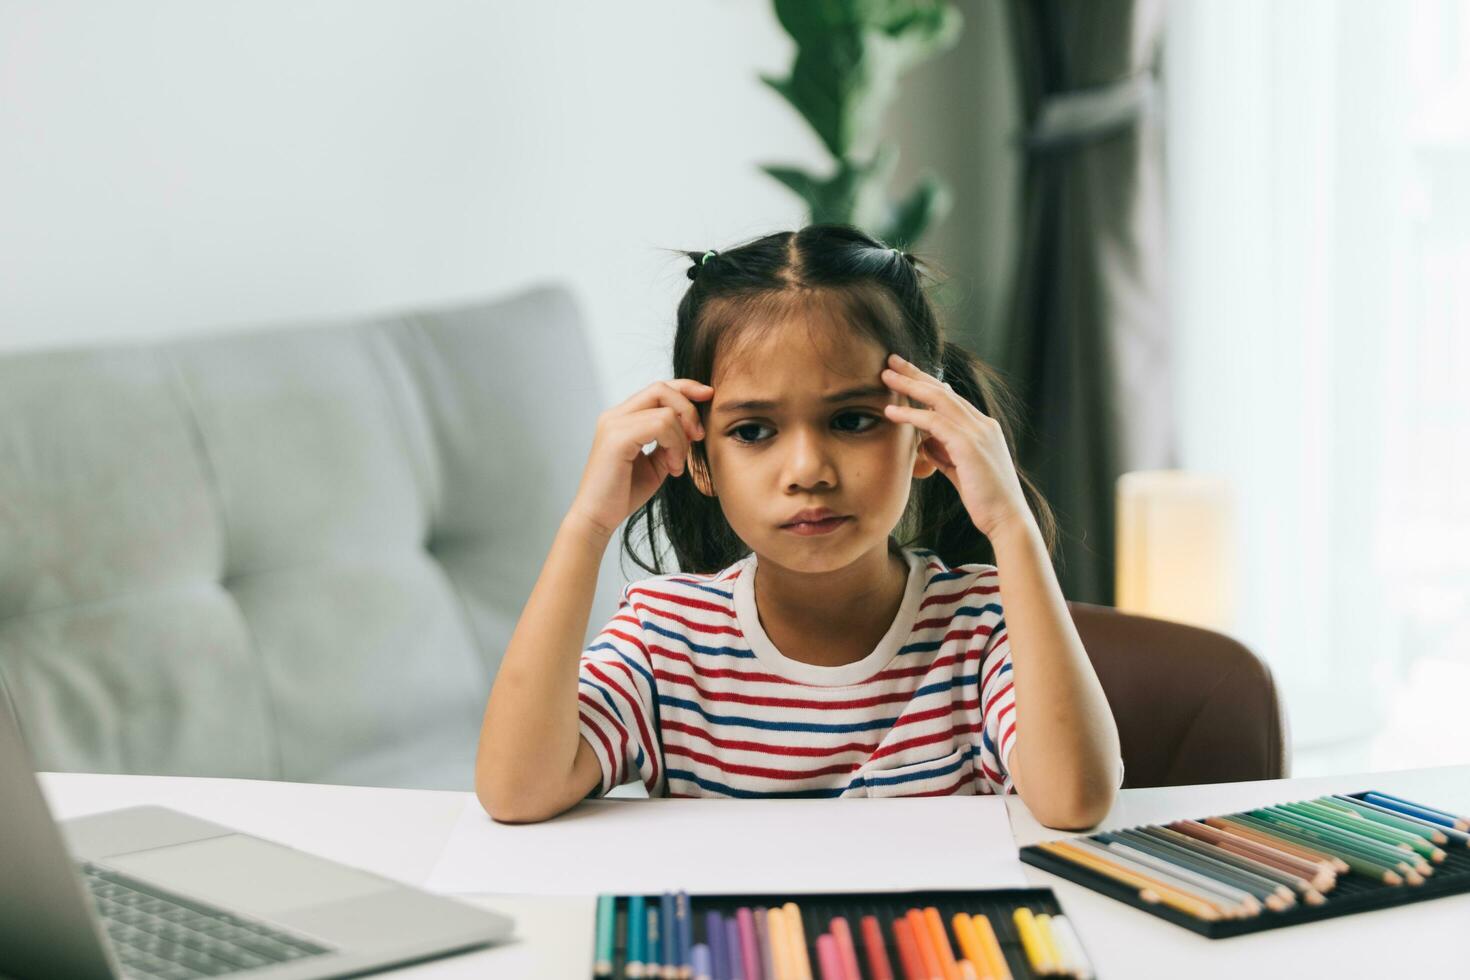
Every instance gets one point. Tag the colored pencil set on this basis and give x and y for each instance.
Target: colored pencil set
(1276, 865)
(881, 937)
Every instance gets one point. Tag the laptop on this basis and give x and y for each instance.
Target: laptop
(149, 892)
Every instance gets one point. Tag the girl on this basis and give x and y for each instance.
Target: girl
(844, 621)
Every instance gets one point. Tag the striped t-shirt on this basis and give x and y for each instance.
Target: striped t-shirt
(684, 691)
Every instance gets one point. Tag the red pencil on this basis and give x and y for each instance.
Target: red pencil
(908, 951)
(876, 948)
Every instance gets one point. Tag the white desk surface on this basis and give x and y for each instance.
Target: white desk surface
(400, 833)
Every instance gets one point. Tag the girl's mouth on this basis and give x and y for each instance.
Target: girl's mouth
(816, 527)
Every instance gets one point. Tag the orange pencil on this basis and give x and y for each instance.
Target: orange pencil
(925, 945)
(939, 938)
(908, 951)
(877, 950)
(1332, 861)
(999, 969)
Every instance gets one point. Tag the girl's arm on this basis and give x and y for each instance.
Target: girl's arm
(533, 762)
(1065, 760)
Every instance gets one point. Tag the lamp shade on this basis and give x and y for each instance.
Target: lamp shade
(1174, 554)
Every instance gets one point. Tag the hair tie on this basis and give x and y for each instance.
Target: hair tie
(707, 256)
(939, 374)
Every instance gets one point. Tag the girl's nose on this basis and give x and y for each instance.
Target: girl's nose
(808, 461)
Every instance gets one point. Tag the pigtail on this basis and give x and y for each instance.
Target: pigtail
(943, 524)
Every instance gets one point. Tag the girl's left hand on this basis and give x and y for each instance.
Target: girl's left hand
(965, 444)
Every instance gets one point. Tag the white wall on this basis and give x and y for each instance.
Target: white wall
(178, 166)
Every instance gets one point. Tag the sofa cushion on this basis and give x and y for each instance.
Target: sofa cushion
(289, 553)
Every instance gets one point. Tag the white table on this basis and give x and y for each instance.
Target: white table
(400, 833)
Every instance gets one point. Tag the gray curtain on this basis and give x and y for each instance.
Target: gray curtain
(1086, 344)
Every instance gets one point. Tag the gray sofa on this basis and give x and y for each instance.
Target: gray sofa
(286, 553)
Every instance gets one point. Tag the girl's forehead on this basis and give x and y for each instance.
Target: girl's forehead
(801, 355)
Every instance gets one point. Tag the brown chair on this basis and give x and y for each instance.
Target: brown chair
(1192, 705)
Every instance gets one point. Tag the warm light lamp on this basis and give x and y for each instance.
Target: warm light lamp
(1174, 547)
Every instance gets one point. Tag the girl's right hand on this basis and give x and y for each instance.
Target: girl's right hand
(619, 478)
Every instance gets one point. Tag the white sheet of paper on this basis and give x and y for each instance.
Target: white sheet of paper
(736, 846)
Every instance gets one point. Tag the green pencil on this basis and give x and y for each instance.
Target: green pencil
(1361, 840)
(1363, 862)
(1428, 831)
(1391, 835)
(602, 964)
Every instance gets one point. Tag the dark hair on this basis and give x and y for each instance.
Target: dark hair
(838, 272)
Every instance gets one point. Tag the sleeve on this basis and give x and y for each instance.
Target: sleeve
(997, 709)
(616, 701)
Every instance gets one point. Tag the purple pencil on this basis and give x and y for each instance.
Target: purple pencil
(714, 934)
(734, 954)
(750, 951)
(699, 954)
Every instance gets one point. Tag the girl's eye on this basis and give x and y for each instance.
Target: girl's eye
(735, 433)
(866, 421)
(849, 422)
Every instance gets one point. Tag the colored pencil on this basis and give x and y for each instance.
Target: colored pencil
(653, 942)
(846, 951)
(1285, 884)
(1257, 879)
(1042, 921)
(1067, 937)
(1148, 854)
(1230, 910)
(828, 960)
(1345, 843)
(734, 950)
(967, 972)
(1312, 873)
(1248, 826)
(700, 962)
(1031, 941)
(684, 923)
(879, 965)
(1149, 889)
(714, 937)
(797, 937)
(999, 969)
(1372, 867)
(924, 943)
(1355, 822)
(908, 950)
(949, 968)
(637, 928)
(1430, 832)
(668, 936)
(602, 964)
(782, 968)
(1455, 821)
(750, 950)
(763, 940)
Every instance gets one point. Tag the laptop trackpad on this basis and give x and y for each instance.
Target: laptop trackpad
(248, 874)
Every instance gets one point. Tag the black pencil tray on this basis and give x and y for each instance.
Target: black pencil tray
(1354, 893)
(818, 910)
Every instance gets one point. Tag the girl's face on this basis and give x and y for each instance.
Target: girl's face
(797, 424)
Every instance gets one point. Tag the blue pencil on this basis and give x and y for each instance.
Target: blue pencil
(1460, 823)
(1413, 810)
(602, 965)
(685, 920)
(637, 924)
(668, 930)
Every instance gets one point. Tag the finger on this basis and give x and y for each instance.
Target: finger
(924, 387)
(675, 394)
(923, 419)
(667, 441)
(658, 429)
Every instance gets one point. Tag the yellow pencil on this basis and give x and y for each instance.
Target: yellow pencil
(1054, 951)
(780, 948)
(796, 936)
(996, 959)
(1032, 943)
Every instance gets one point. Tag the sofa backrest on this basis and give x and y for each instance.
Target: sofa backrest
(291, 553)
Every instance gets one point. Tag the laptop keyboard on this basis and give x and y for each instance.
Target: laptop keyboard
(158, 936)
